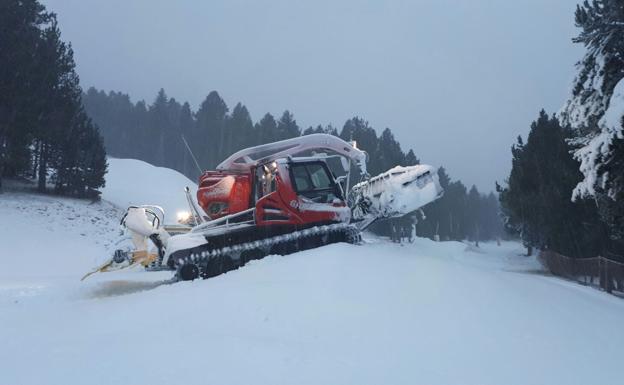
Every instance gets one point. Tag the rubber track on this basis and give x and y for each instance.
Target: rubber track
(344, 233)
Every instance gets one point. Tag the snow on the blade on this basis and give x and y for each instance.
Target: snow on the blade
(401, 190)
(134, 182)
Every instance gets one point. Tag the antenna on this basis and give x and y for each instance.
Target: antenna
(192, 155)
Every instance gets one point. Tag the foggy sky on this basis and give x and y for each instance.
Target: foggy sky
(457, 81)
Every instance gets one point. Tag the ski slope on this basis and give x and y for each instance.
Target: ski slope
(376, 313)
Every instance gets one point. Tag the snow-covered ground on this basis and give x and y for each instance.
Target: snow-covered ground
(376, 313)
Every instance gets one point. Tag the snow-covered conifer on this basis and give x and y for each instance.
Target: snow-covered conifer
(595, 107)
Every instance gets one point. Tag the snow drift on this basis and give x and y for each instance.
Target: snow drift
(134, 182)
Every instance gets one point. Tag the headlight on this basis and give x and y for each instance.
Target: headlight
(183, 216)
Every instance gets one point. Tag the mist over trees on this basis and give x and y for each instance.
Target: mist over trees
(461, 213)
(44, 131)
(154, 133)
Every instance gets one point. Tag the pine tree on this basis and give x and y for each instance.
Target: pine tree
(287, 127)
(140, 142)
(93, 160)
(209, 137)
(159, 123)
(411, 159)
(473, 214)
(266, 129)
(602, 33)
(240, 131)
(82, 161)
(43, 125)
(491, 224)
(174, 146)
(594, 109)
(457, 201)
(59, 101)
(20, 41)
(389, 151)
(187, 125)
(536, 200)
(115, 113)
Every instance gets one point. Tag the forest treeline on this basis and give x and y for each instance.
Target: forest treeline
(154, 133)
(45, 134)
(565, 192)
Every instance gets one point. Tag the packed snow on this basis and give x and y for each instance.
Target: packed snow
(376, 313)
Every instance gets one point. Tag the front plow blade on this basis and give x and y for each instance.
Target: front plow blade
(123, 260)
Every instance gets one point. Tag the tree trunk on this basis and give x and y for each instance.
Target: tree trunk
(1, 170)
(450, 225)
(2, 159)
(529, 251)
(43, 168)
(36, 157)
(4, 142)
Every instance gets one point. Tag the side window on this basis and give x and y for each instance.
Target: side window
(302, 181)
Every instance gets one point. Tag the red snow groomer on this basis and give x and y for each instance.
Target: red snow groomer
(276, 198)
(279, 188)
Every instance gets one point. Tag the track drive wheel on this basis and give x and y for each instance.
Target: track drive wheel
(188, 272)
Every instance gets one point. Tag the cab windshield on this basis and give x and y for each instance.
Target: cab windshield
(313, 181)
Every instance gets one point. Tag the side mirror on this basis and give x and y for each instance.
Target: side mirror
(346, 165)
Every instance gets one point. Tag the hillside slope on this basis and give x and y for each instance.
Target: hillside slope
(428, 313)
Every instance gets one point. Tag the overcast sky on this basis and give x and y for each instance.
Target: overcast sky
(457, 81)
